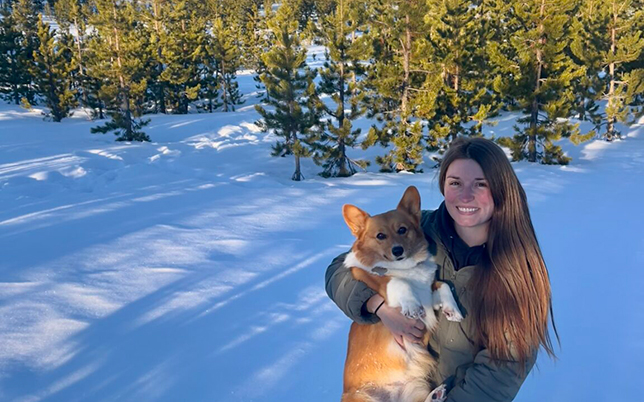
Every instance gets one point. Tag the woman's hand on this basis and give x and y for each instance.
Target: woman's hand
(399, 325)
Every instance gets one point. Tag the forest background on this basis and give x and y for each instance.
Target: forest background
(424, 72)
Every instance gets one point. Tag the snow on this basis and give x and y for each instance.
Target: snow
(192, 268)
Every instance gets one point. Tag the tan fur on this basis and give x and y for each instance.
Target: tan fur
(377, 369)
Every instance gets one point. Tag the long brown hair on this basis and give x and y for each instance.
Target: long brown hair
(511, 293)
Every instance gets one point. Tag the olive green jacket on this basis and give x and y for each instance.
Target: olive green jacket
(465, 367)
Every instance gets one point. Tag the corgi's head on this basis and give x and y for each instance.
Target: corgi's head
(393, 239)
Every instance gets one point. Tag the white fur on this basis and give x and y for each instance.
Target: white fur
(444, 299)
(351, 260)
(408, 289)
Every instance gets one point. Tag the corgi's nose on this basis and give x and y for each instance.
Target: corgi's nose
(397, 251)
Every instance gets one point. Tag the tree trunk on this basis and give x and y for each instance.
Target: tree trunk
(224, 95)
(81, 67)
(534, 115)
(610, 124)
(297, 176)
(161, 87)
(125, 92)
(406, 67)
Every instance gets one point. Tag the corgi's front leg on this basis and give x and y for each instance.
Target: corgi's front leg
(401, 294)
(444, 299)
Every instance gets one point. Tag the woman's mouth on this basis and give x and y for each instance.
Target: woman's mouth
(467, 210)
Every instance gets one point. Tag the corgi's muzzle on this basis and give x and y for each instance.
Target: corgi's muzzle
(398, 252)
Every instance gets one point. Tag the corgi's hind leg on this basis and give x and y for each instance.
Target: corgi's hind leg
(439, 394)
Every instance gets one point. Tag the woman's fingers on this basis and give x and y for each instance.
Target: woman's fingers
(420, 325)
(401, 326)
(415, 332)
(399, 340)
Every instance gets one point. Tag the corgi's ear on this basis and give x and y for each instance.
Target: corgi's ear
(410, 202)
(355, 218)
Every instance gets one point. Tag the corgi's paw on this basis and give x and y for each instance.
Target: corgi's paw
(438, 394)
(412, 310)
(452, 313)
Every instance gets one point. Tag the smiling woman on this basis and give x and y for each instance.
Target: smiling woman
(468, 200)
(485, 247)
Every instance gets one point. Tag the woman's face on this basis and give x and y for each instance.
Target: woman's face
(468, 198)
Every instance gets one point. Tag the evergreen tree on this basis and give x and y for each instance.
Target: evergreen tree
(609, 37)
(181, 56)
(15, 78)
(456, 53)
(255, 42)
(118, 60)
(155, 14)
(99, 95)
(338, 79)
(19, 40)
(52, 72)
(209, 82)
(289, 82)
(225, 50)
(394, 81)
(534, 69)
(72, 16)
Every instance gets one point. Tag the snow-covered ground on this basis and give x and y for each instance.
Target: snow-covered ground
(192, 269)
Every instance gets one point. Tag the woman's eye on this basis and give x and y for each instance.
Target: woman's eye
(454, 183)
(481, 184)
(381, 236)
(402, 230)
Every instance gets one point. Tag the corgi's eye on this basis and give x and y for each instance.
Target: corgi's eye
(381, 236)
(402, 230)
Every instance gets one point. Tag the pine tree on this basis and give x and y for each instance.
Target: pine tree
(394, 83)
(456, 53)
(209, 82)
(255, 42)
(289, 83)
(15, 79)
(52, 72)
(72, 16)
(339, 80)
(119, 54)
(18, 40)
(534, 69)
(155, 15)
(181, 43)
(225, 50)
(609, 37)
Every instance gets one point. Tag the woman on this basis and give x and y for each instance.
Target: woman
(484, 243)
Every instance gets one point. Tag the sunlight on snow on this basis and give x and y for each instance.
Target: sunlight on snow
(314, 303)
(48, 213)
(309, 261)
(30, 166)
(63, 383)
(104, 153)
(595, 149)
(272, 319)
(185, 123)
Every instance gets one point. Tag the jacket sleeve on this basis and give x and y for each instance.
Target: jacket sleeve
(485, 380)
(349, 294)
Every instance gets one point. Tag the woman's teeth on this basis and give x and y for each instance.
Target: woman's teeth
(467, 209)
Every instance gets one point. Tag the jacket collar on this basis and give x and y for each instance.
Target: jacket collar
(460, 253)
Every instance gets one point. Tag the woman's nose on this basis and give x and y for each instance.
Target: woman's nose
(467, 194)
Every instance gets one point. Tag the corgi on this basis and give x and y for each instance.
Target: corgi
(391, 256)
